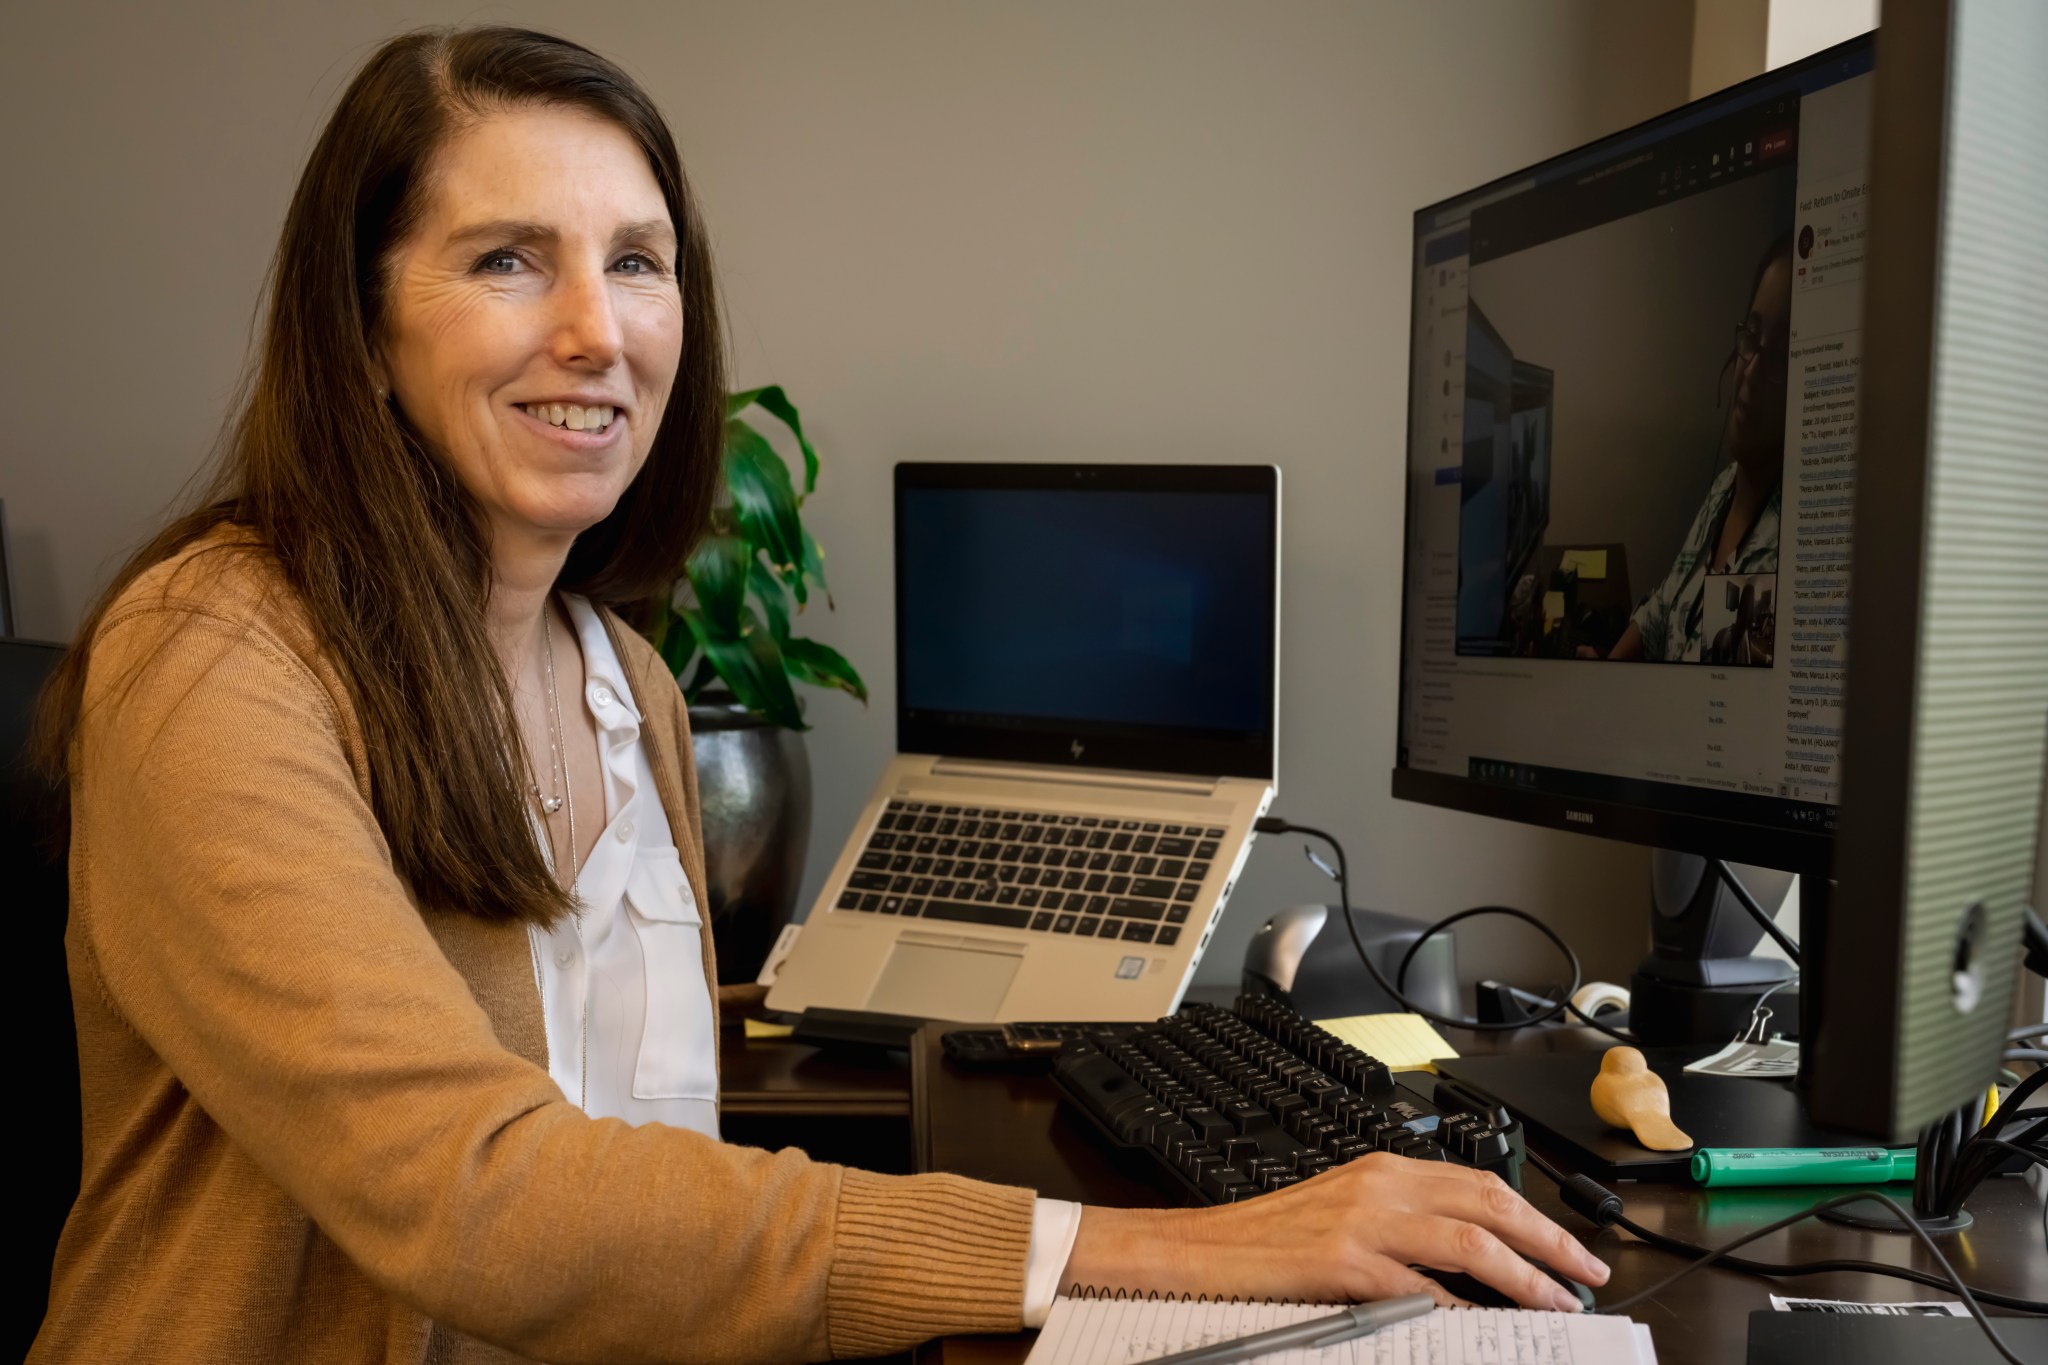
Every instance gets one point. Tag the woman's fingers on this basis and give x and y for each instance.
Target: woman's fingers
(1454, 1244)
(1482, 1198)
(1390, 1280)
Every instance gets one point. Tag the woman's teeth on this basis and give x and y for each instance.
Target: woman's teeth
(571, 416)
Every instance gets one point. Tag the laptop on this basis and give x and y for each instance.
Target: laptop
(1086, 728)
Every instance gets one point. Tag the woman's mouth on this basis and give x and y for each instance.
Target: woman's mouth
(572, 416)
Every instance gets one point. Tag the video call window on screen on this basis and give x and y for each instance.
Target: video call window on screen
(1623, 439)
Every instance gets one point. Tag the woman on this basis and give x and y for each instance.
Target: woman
(389, 977)
(1736, 529)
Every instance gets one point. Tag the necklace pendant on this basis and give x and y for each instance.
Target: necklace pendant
(550, 804)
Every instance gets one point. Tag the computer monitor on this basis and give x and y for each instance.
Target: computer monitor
(1631, 455)
(1667, 660)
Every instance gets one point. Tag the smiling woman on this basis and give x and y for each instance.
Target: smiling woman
(385, 1055)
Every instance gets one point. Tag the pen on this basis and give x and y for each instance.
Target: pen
(1359, 1320)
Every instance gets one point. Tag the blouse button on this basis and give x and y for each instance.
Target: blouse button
(601, 695)
(564, 956)
(625, 831)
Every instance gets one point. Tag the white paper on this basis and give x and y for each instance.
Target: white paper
(1128, 1332)
(1897, 1310)
(1774, 1060)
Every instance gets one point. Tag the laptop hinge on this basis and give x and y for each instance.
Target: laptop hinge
(1096, 778)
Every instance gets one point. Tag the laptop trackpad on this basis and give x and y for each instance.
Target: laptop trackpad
(944, 983)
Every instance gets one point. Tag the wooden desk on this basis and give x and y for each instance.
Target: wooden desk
(1013, 1129)
(847, 1107)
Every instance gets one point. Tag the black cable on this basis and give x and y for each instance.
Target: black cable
(1273, 824)
(1757, 912)
(1596, 1204)
(2024, 1054)
(1962, 1291)
(2026, 1031)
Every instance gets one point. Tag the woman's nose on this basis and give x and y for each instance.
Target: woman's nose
(587, 331)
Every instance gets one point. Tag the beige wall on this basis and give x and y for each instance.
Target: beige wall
(1078, 231)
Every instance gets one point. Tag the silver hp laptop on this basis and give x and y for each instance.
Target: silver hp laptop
(1086, 726)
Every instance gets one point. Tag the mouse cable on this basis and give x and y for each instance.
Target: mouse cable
(1273, 824)
(1597, 1204)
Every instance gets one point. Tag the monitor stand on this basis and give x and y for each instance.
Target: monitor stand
(1700, 984)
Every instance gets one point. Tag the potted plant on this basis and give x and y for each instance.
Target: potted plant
(726, 632)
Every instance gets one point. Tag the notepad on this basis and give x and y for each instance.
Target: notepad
(1130, 1331)
(1405, 1042)
(1591, 564)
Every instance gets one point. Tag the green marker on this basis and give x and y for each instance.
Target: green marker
(1801, 1165)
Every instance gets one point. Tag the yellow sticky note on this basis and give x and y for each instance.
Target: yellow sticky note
(761, 1028)
(1405, 1042)
(1553, 609)
(1591, 564)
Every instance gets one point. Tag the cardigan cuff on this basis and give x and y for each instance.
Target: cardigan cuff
(924, 1256)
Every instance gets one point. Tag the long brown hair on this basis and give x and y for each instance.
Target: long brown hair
(382, 545)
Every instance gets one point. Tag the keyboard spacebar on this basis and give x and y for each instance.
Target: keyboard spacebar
(967, 911)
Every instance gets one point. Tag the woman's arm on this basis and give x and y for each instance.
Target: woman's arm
(236, 903)
(1350, 1235)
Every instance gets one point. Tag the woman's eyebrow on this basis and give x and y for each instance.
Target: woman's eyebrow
(648, 230)
(503, 232)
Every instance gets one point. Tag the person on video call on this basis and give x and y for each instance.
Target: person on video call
(395, 1022)
(1736, 528)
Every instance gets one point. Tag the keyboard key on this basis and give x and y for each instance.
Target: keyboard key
(1029, 898)
(921, 887)
(1041, 920)
(1006, 872)
(1173, 829)
(849, 900)
(1215, 834)
(1137, 933)
(1096, 905)
(1121, 863)
(901, 885)
(1007, 896)
(947, 827)
(920, 867)
(900, 863)
(966, 913)
(1064, 924)
(1145, 867)
(1144, 842)
(1186, 891)
(1175, 848)
(1073, 881)
(1153, 888)
(1120, 842)
(926, 824)
(1137, 909)
(1172, 869)
(986, 893)
(870, 903)
(1097, 881)
(1168, 935)
(1070, 819)
(869, 881)
(1089, 822)
(913, 906)
(1118, 886)
(1053, 899)
(1086, 928)
(1198, 871)
(892, 905)
(927, 844)
(1098, 862)
(1177, 913)
(1097, 838)
(882, 841)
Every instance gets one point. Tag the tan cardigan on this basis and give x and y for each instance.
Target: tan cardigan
(318, 1119)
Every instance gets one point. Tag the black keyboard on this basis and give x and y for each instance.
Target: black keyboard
(1236, 1102)
(1085, 875)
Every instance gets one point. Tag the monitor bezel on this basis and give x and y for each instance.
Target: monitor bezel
(1194, 753)
(1744, 840)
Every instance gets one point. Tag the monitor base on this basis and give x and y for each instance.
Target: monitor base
(1875, 1217)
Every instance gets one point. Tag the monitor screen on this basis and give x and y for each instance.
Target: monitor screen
(1632, 427)
(1093, 615)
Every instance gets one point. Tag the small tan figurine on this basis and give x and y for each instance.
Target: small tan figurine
(1629, 1095)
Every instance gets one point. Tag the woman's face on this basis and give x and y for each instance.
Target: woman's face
(534, 320)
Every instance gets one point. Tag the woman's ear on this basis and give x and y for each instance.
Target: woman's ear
(379, 378)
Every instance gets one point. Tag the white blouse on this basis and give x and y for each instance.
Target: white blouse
(622, 983)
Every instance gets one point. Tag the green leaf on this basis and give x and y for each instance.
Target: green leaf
(764, 503)
(821, 666)
(777, 402)
(768, 591)
(751, 665)
(736, 403)
(718, 571)
(811, 568)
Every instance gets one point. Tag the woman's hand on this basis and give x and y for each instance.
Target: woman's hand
(1346, 1236)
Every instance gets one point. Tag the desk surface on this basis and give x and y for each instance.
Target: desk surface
(1012, 1128)
(777, 1077)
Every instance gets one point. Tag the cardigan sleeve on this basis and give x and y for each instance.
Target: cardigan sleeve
(237, 903)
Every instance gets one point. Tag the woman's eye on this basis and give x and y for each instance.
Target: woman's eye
(497, 263)
(639, 264)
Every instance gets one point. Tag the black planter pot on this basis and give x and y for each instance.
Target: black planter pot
(754, 790)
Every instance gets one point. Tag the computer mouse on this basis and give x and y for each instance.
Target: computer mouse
(1484, 1295)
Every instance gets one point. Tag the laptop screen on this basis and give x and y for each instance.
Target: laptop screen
(1095, 616)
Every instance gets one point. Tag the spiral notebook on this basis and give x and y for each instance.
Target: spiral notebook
(1126, 1331)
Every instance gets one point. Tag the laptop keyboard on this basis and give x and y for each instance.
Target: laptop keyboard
(1085, 875)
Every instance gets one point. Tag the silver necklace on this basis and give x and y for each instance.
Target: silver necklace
(565, 796)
